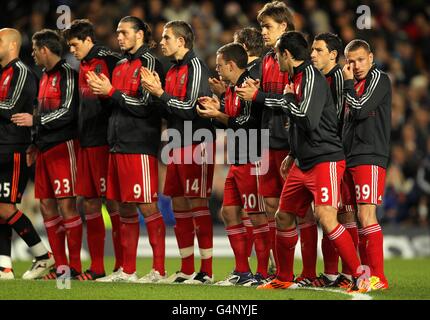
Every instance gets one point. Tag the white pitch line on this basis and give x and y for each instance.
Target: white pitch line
(355, 296)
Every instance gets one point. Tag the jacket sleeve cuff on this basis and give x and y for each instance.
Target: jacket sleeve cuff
(37, 120)
(116, 95)
(259, 97)
(289, 97)
(111, 92)
(348, 84)
(165, 97)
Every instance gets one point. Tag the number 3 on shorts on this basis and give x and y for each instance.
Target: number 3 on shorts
(324, 194)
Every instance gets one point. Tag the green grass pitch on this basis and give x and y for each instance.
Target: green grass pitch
(409, 280)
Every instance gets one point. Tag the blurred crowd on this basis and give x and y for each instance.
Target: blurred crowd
(399, 36)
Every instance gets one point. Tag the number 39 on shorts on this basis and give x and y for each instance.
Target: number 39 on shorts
(362, 192)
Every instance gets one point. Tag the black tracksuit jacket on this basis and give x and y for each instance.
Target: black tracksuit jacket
(57, 111)
(367, 121)
(94, 111)
(18, 92)
(186, 81)
(313, 118)
(135, 123)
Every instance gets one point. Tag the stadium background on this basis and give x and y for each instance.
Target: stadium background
(399, 36)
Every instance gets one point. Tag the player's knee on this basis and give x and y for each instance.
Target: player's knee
(127, 210)
(327, 216)
(112, 206)
(7, 209)
(92, 205)
(231, 215)
(48, 208)
(347, 217)
(271, 205)
(367, 214)
(198, 202)
(148, 209)
(68, 207)
(258, 218)
(181, 204)
(285, 220)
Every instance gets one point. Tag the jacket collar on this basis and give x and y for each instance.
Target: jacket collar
(253, 63)
(300, 68)
(9, 64)
(56, 67)
(333, 70)
(92, 53)
(186, 59)
(368, 75)
(141, 51)
(242, 77)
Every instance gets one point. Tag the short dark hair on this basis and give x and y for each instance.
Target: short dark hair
(139, 24)
(357, 44)
(80, 29)
(182, 29)
(50, 39)
(295, 43)
(332, 41)
(234, 52)
(253, 40)
(279, 12)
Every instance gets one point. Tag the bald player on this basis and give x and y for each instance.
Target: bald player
(17, 94)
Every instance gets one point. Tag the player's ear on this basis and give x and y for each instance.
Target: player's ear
(371, 57)
(284, 26)
(231, 65)
(333, 54)
(181, 41)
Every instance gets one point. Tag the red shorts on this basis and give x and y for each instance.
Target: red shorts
(192, 179)
(320, 184)
(92, 171)
(363, 184)
(132, 178)
(271, 182)
(241, 188)
(56, 171)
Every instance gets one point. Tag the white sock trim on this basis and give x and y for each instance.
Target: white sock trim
(186, 252)
(206, 253)
(38, 249)
(6, 262)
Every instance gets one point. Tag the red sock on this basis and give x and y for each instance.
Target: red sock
(309, 240)
(57, 239)
(351, 227)
(272, 231)
(262, 247)
(129, 241)
(96, 241)
(330, 256)
(285, 246)
(362, 244)
(204, 233)
(157, 235)
(249, 235)
(116, 238)
(184, 231)
(74, 241)
(375, 250)
(237, 237)
(342, 241)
